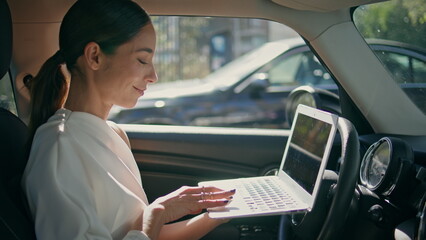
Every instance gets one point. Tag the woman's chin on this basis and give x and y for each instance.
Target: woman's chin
(128, 104)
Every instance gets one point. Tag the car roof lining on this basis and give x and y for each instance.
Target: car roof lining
(53, 11)
(322, 5)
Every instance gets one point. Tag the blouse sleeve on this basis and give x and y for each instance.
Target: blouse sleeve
(61, 197)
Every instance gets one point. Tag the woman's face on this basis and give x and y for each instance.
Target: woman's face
(127, 73)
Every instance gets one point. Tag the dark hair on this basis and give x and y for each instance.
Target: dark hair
(109, 23)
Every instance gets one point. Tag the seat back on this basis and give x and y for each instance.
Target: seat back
(5, 37)
(14, 220)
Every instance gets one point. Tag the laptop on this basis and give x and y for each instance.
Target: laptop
(295, 186)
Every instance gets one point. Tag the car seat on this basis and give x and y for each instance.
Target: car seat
(15, 223)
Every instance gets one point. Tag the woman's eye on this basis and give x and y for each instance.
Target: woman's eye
(143, 62)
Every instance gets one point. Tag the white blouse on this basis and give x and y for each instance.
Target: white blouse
(82, 181)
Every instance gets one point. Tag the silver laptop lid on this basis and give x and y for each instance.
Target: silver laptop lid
(307, 151)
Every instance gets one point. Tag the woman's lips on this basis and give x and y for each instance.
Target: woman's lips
(140, 91)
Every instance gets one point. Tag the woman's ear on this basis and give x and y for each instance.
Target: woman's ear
(92, 55)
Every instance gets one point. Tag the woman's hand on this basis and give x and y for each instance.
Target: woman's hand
(191, 200)
(184, 201)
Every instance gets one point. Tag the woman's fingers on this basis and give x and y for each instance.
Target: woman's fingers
(217, 193)
(215, 189)
(215, 199)
(214, 203)
(189, 190)
(211, 188)
(206, 195)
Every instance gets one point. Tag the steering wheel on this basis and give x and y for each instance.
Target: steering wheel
(344, 189)
(348, 176)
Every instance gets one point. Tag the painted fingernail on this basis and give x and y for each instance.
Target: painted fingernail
(233, 190)
(230, 197)
(226, 201)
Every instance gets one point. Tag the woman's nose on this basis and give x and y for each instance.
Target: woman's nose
(152, 76)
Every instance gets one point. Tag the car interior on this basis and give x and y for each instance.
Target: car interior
(375, 183)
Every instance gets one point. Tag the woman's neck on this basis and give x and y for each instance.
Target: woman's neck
(83, 97)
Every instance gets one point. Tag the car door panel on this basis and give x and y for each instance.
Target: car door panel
(172, 156)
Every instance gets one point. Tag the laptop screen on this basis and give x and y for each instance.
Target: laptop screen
(306, 150)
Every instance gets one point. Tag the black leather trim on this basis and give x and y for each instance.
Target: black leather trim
(5, 37)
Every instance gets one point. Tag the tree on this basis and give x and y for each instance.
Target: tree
(399, 20)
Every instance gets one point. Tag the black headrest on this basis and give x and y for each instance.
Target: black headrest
(5, 37)
(13, 140)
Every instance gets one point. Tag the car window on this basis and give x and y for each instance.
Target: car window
(418, 71)
(194, 47)
(285, 70)
(406, 59)
(203, 64)
(213, 69)
(405, 69)
(7, 99)
(300, 68)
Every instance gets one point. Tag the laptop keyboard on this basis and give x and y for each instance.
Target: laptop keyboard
(265, 194)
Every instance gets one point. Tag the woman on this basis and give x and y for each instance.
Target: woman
(81, 179)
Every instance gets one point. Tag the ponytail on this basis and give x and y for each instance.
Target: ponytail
(48, 92)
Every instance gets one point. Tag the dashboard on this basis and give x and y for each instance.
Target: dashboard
(392, 184)
(390, 197)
